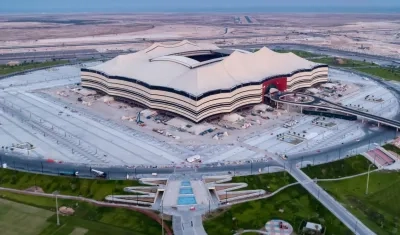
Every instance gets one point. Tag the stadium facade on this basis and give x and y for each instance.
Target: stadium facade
(201, 80)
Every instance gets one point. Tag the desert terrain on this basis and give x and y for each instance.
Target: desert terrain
(376, 34)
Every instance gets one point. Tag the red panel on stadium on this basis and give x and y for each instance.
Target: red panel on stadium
(279, 83)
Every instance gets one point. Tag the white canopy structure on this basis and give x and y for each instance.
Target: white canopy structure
(200, 73)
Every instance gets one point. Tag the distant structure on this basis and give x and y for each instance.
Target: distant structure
(14, 63)
(197, 81)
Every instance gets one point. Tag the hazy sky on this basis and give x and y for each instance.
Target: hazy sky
(157, 5)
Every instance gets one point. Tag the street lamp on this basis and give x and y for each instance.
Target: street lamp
(58, 218)
(162, 217)
(366, 191)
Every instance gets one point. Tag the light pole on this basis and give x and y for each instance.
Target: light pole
(58, 218)
(162, 218)
(366, 191)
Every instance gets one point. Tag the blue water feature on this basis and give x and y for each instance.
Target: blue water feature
(186, 200)
(185, 191)
(185, 183)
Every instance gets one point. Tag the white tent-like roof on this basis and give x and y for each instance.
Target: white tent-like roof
(169, 66)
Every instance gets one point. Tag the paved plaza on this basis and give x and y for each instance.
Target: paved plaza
(65, 131)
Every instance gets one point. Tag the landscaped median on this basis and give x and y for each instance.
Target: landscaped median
(293, 204)
(392, 148)
(346, 167)
(25, 66)
(94, 216)
(378, 209)
(96, 189)
(387, 73)
(304, 54)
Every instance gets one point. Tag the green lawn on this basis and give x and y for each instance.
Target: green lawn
(91, 188)
(391, 147)
(269, 182)
(304, 54)
(345, 62)
(345, 167)
(16, 218)
(379, 209)
(96, 220)
(5, 69)
(385, 73)
(297, 203)
(375, 70)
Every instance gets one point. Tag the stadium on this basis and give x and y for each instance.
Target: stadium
(198, 81)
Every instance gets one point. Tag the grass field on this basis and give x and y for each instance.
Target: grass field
(304, 54)
(90, 188)
(297, 203)
(362, 66)
(379, 210)
(16, 218)
(385, 73)
(345, 167)
(96, 220)
(343, 62)
(5, 69)
(391, 147)
(269, 182)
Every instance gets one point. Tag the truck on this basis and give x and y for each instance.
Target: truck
(69, 173)
(194, 158)
(99, 174)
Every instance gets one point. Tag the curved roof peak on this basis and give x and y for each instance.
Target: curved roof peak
(265, 50)
(160, 49)
(178, 44)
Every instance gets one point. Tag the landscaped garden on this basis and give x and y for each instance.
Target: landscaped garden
(378, 209)
(293, 205)
(392, 148)
(87, 218)
(32, 215)
(345, 167)
(269, 182)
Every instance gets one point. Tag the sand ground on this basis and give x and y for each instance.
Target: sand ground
(368, 33)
